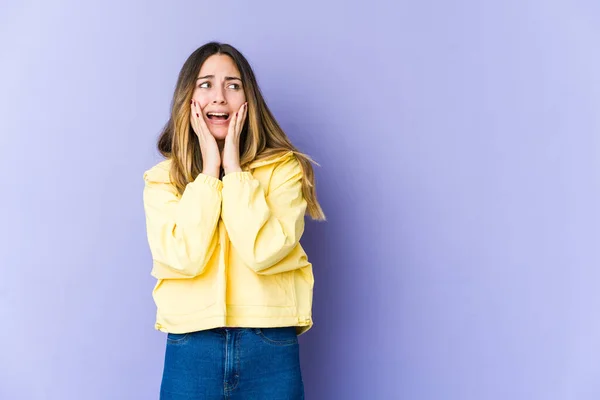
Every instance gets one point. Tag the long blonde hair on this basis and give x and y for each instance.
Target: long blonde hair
(261, 136)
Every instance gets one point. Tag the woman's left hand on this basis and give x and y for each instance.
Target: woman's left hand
(230, 159)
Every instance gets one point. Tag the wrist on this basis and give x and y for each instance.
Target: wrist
(212, 171)
(233, 168)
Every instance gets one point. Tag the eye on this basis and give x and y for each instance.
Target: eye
(234, 86)
(204, 85)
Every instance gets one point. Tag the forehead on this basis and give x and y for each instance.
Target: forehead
(219, 64)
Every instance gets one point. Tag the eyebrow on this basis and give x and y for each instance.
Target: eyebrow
(227, 78)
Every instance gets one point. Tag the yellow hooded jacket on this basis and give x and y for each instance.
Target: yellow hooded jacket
(227, 253)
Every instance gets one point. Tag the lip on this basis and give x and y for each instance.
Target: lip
(218, 121)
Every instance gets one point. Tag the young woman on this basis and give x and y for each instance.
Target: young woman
(224, 215)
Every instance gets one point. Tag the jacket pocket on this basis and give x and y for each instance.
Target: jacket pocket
(184, 296)
(247, 288)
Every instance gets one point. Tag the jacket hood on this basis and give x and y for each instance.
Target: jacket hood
(160, 172)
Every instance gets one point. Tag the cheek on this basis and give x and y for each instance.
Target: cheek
(200, 99)
(236, 100)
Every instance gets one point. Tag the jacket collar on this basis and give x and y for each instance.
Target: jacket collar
(160, 173)
(270, 160)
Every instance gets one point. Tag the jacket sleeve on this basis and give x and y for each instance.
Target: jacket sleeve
(182, 230)
(264, 228)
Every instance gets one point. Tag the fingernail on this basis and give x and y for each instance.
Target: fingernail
(236, 114)
(192, 101)
(197, 115)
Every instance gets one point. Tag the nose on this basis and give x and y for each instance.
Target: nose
(219, 96)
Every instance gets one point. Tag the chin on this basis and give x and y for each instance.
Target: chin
(219, 134)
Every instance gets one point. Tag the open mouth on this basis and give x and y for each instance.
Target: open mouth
(217, 116)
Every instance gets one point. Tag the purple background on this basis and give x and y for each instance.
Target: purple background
(460, 152)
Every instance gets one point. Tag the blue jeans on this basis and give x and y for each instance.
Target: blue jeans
(233, 363)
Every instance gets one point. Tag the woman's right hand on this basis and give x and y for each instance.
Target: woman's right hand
(211, 157)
